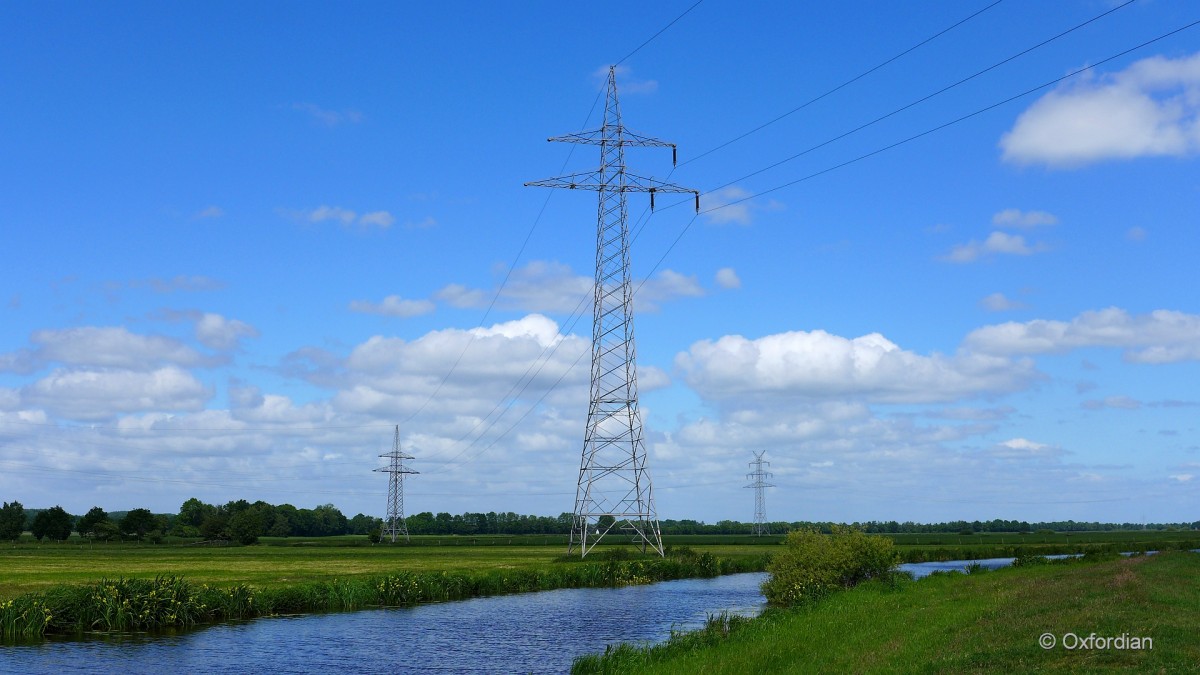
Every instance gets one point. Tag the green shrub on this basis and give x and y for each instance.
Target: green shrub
(814, 565)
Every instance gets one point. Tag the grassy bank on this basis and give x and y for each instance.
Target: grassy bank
(983, 622)
(133, 604)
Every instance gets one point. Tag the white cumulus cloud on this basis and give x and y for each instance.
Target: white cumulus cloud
(100, 394)
(112, 347)
(550, 286)
(1152, 108)
(217, 332)
(818, 364)
(997, 243)
(727, 277)
(1161, 336)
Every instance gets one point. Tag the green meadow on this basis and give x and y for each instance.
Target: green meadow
(983, 622)
(29, 566)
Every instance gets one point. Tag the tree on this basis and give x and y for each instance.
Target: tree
(193, 512)
(12, 521)
(88, 522)
(53, 522)
(362, 524)
(137, 523)
(246, 525)
(215, 526)
(107, 530)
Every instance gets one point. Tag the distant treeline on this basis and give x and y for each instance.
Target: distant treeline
(245, 522)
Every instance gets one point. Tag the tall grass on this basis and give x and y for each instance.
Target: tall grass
(126, 604)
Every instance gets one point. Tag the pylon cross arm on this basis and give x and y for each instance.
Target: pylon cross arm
(590, 180)
(611, 136)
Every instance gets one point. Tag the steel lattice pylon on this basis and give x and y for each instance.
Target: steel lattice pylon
(758, 479)
(394, 524)
(614, 489)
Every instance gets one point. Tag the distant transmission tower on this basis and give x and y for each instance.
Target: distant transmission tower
(614, 488)
(394, 523)
(758, 479)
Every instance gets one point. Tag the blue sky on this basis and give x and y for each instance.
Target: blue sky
(242, 242)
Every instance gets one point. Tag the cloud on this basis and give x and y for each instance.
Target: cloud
(345, 217)
(733, 205)
(181, 283)
(330, 118)
(217, 332)
(1000, 243)
(540, 286)
(323, 213)
(1162, 336)
(1022, 448)
(625, 83)
(1023, 219)
(1152, 108)
(728, 278)
(996, 302)
(817, 364)
(551, 286)
(210, 212)
(21, 362)
(393, 305)
(112, 347)
(101, 394)
(1181, 477)
(390, 375)
(380, 219)
(665, 286)
(1137, 234)
(1112, 402)
(974, 414)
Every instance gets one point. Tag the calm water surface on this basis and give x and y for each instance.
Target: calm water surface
(529, 633)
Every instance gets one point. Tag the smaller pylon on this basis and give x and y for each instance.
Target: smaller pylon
(758, 481)
(394, 523)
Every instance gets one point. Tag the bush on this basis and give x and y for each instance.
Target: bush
(814, 565)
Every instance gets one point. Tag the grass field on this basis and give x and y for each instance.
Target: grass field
(986, 622)
(29, 566)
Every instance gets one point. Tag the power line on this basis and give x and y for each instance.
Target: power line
(925, 98)
(508, 273)
(641, 225)
(968, 116)
(914, 137)
(841, 86)
(660, 32)
(503, 283)
(978, 73)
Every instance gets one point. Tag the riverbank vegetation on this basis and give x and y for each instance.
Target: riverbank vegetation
(950, 623)
(140, 604)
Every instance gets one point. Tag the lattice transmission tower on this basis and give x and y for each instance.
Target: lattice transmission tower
(758, 481)
(394, 524)
(614, 490)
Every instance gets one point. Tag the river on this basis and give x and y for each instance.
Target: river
(526, 633)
